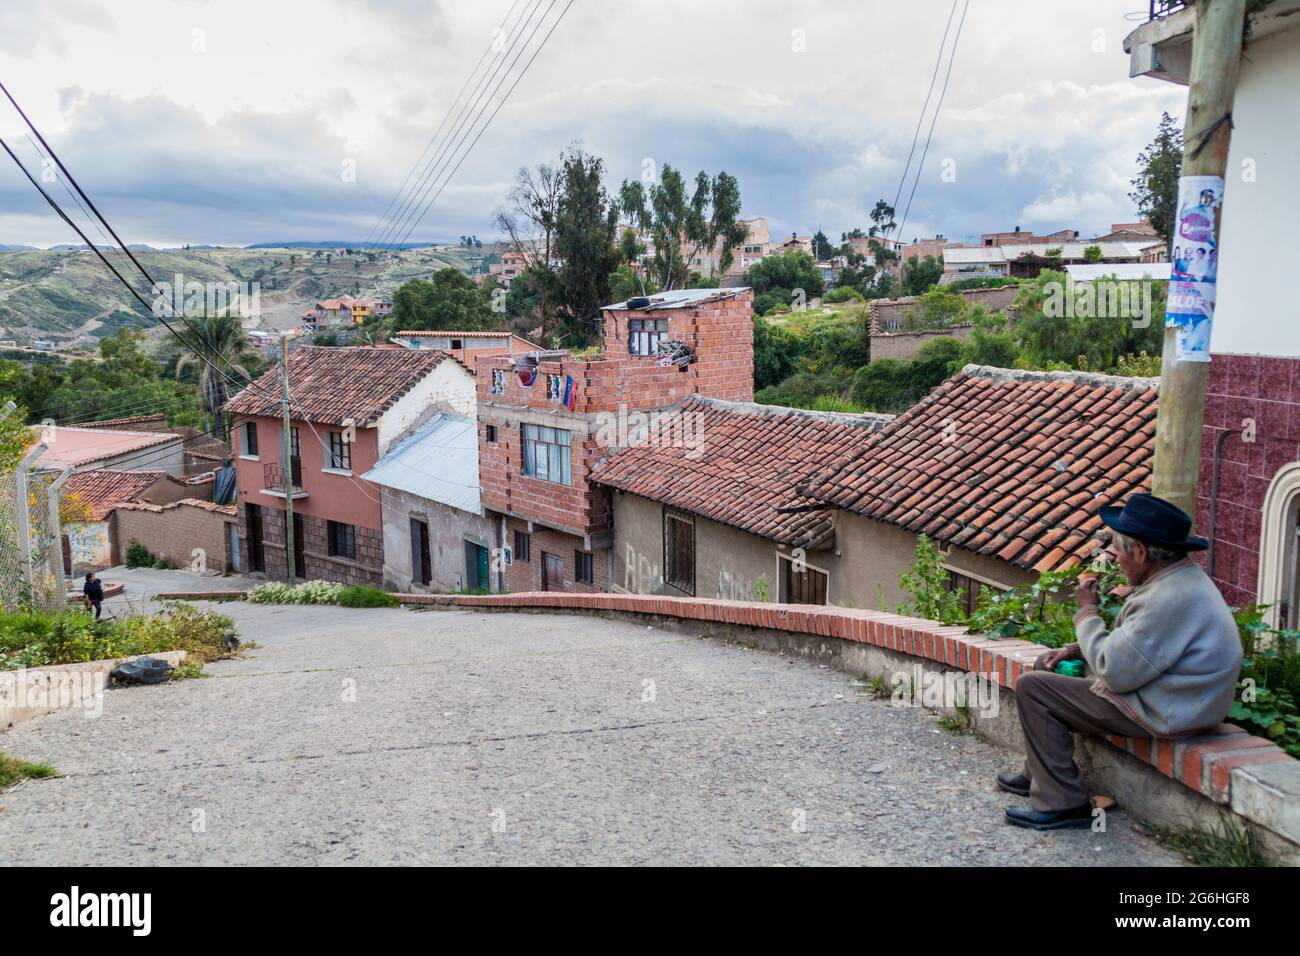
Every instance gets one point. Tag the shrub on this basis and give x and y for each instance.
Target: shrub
(138, 556)
(1268, 690)
(843, 294)
(360, 595)
(321, 592)
(70, 637)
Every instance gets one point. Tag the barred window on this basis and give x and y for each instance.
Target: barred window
(342, 539)
(498, 382)
(679, 551)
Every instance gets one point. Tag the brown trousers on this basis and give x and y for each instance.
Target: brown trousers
(1052, 708)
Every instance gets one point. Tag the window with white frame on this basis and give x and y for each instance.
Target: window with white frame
(340, 452)
(644, 335)
(546, 453)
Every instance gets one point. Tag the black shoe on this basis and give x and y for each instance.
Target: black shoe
(1016, 783)
(1079, 818)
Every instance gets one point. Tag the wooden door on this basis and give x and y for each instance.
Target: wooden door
(552, 572)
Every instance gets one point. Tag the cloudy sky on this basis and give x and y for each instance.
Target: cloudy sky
(241, 121)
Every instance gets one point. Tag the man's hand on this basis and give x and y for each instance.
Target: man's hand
(1087, 594)
(1053, 657)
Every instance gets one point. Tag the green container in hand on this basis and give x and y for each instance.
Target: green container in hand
(1073, 668)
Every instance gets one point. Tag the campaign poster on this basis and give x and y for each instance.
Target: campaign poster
(1194, 267)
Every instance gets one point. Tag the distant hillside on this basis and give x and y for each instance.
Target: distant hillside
(69, 297)
(359, 244)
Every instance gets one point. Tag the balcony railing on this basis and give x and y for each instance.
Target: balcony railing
(273, 476)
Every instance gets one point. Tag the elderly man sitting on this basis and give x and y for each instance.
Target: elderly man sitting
(1168, 669)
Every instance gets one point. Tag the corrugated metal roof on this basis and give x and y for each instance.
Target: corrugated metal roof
(1088, 271)
(683, 298)
(1069, 250)
(439, 461)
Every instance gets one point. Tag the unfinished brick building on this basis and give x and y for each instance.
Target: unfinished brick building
(545, 419)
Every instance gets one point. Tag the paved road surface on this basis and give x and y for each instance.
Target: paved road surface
(454, 736)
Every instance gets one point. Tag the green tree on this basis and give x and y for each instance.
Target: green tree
(920, 276)
(222, 341)
(585, 229)
(1155, 187)
(1092, 254)
(450, 300)
(936, 309)
(682, 227)
(822, 248)
(775, 351)
(776, 278)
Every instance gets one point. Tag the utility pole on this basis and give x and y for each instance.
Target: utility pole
(1212, 85)
(286, 457)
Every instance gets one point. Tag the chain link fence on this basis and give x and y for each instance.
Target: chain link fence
(31, 545)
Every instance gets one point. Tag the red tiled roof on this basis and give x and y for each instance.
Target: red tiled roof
(103, 489)
(1005, 463)
(745, 468)
(332, 385)
(159, 420)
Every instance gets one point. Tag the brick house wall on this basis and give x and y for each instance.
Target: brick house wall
(527, 575)
(318, 564)
(1244, 389)
(173, 531)
(720, 332)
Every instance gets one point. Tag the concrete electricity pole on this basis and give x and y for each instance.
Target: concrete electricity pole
(286, 457)
(1212, 84)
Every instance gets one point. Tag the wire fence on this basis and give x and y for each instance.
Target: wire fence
(31, 547)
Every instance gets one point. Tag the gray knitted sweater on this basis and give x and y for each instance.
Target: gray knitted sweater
(1172, 662)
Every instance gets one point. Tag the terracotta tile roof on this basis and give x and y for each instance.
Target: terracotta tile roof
(103, 489)
(1005, 463)
(184, 502)
(209, 451)
(137, 420)
(332, 385)
(744, 471)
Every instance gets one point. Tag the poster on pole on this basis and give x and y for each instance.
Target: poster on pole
(1194, 267)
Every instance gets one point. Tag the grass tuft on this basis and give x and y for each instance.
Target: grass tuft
(1232, 843)
(15, 769)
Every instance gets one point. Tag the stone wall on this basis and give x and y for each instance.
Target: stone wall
(319, 564)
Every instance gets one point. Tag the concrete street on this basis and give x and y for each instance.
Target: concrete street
(458, 737)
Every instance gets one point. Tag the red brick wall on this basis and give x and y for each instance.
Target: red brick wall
(1266, 391)
(527, 575)
(578, 507)
(722, 336)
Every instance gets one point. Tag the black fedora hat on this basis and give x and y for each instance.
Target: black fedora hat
(1153, 521)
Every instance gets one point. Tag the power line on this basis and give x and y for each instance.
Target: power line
(504, 100)
(71, 179)
(433, 169)
(933, 119)
(434, 137)
(916, 134)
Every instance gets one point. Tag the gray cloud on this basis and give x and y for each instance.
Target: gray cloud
(1045, 142)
